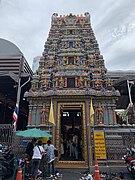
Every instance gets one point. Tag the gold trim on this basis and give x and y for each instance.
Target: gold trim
(62, 105)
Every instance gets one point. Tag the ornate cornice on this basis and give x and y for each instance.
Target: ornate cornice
(91, 92)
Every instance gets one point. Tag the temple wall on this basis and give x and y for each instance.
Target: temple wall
(103, 110)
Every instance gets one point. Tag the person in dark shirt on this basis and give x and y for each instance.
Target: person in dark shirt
(29, 148)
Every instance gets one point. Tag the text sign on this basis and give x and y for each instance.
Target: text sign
(99, 141)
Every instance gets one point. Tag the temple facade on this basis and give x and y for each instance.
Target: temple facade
(71, 73)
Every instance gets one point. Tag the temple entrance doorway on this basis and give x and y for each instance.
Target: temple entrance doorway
(71, 134)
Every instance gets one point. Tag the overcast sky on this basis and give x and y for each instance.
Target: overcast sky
(26, 23)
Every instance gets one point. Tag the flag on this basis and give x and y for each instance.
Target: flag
(15, 115)
(51, 114)
(91, 113)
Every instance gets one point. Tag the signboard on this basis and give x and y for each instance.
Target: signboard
(99, 141)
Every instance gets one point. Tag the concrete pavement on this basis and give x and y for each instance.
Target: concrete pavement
(75, 174)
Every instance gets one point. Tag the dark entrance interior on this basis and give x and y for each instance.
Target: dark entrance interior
(71, 135)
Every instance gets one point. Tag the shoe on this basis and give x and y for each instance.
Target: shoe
(39, 172)
(49, 176)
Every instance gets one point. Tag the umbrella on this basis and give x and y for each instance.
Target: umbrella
(34, 132)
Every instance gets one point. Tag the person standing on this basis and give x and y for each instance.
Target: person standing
(49, 148)
(62, 147)
(75, 146)
(29, 148)
(38, 151)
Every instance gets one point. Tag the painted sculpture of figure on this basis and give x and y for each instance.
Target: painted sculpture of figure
(109, 83)
(81, 60)
(60, 61)
(64, 45)
(98, 83)
(99, 112)
(64, 60)
(44, 112)
(54, 18)
(61, 83)
(80, 82)
(44, 84)
(77, 44)
(77, 60)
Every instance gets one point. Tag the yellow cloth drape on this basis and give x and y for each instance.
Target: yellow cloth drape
(91, 113)
(51, 114)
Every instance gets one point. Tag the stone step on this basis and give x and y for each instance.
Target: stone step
(71, 164)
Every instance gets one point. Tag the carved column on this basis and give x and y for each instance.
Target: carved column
(110, 115)
(34, 116)
(85, 81)
(105, 115)
(114, 117)
(39, 113)
(38, 118)
(55, 108)
(76, 82)
(56, 82)
(30, 115)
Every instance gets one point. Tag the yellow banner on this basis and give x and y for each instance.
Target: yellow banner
(99, 142)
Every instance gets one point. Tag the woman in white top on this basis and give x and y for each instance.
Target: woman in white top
(38, 151)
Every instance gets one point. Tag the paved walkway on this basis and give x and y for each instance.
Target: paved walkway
(75, 174)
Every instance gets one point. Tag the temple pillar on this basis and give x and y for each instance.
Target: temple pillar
(105, 116)
(110, 113)
(38, 115)
(34, 116)
(30, 115)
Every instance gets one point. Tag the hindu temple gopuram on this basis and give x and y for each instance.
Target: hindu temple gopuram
(71, 73)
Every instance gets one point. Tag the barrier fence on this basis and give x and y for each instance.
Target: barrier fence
(6, 134)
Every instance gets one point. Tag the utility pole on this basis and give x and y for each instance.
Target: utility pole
(129, 85)
(20, 87)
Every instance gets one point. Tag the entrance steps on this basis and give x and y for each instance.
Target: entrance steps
(71, 164)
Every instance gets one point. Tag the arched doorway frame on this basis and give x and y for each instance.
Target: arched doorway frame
(61, 105)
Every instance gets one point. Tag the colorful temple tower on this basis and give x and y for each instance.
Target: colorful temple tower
(71, 73)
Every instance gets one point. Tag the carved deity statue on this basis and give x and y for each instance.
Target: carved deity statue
(60, 61)
(44, 83)
(64, 60)
(77, 60)
(44, 112)
(77, 44)
(33, 85)
(92, 62)
(61, 83)
(98, 83)
(99, 112)
(109, 82)
(64, 44)
(80, 82)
